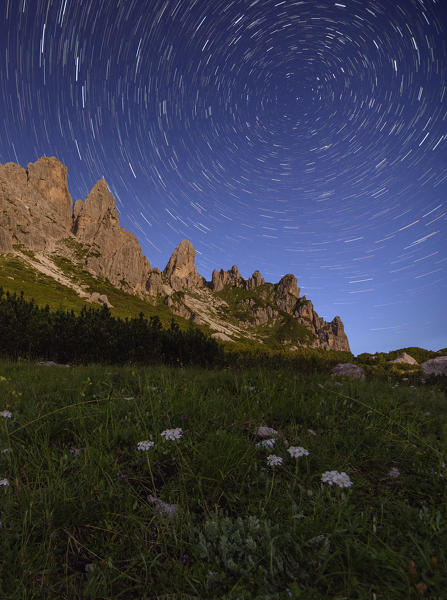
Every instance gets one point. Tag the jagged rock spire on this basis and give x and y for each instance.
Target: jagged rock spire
(181, 271)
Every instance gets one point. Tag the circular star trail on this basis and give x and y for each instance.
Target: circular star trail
(294, 136)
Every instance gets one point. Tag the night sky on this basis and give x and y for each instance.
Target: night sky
(296, 136)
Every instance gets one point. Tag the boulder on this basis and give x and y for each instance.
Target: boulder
(221, 336)
(348, 370)
(404, 358)
(99, 298)
(435, 366)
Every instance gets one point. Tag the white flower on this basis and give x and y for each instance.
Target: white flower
(163, 507)
(4, 482)
(266, 443)
(5, 450)
(6, 414)
(334, 477)
(172, 434)
(145, 445)
(297, 451)
(394, 472)
(75, 451)
(274, 461)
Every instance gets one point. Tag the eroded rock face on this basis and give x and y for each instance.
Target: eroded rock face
(114, 253)
(181, 272)
(287, 292)
(435, 366)
(221, 278)
(35, 206)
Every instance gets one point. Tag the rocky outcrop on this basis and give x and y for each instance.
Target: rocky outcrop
(99, 298)
(435, 366)
(181, 272)
(35, 206)
(287, 293)
(114, 253)
(37, 214)
(405, 359)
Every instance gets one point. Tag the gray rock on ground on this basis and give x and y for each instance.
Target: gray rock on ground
(435, 366)
(349, 370)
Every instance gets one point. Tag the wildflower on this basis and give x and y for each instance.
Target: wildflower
(4, 482)
(122, 475)
(274, 461)
(297, 451)
(334, 477)
(265, 432)
(394, 472)
(5, 450)
(163, 507)
(6, 414)
(172, 434)
(266, 443)
(145, 445)
(75, 451)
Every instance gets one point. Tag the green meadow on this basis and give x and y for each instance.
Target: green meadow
(87, 511)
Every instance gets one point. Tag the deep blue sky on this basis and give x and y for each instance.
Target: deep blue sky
(287, 136)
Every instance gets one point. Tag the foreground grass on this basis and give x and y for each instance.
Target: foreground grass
(79, 519)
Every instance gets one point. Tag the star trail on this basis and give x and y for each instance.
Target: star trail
(296, 136)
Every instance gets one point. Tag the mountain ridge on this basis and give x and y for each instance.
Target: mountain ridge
(39, 222)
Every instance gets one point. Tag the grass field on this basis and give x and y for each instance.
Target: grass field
(86, 514)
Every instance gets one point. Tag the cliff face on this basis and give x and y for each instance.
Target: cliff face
(35, 206)
(114, 253)
(37, 214)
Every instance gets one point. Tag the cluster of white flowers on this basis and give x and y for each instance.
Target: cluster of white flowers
(5, 450)
(394, 472)
(274, 461)
(172, 434)
(334, 477)
(297, 451)
(266, 443)
(4, 482)
(145, 445)
(6, 414)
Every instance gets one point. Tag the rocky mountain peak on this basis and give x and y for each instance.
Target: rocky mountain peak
(181, 270)
(35, 206)
(255, 281)
(98, 210)
(36, 213)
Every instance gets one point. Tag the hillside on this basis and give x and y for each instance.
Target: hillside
(66, 254)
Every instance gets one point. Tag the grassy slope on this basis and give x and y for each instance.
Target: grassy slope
(46, 290)
(81, 526)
